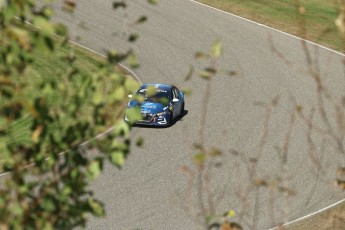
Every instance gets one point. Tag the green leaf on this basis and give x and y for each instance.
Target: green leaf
(69, 5)
(187, 92)
(133, 114)
(60, 29)
(204, 75)
(97, 98)
(19, 35)
(133, 37)
(74, 174)
(118, 145)
(231, 213)
(141, 19)
(150, 91)
(48, 226)
(198, 146)
(48, 90)
(139, 142)
(23, 189)
(131, 85)
(119, 4)
(43, 24)
(139, 98)
(119, 94)
(47, 12)
(117, 78)
(216, 49)
(164, 101)
(48, 204)
(10, 12)
(190, 73)
(94, 169)
(67, 190)
(2, 202)
(210, 219)
(201, 55)
(121, 128)
(132, 60)
(214, 152)
(16, 209)
(153, 2)
(211, 70)
(96, 207)
(199, 159)
(117, 158)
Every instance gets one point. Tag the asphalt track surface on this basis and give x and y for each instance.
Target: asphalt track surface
(143, 194)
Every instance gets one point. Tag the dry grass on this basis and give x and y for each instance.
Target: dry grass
(281, 14)
(332, 219)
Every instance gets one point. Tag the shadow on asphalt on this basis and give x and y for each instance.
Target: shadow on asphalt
(185, 112)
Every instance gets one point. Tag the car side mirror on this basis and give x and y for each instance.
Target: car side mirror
(130, 95)
(175, 100)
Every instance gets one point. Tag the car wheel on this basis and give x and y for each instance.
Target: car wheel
(170, 119)
(182, 110)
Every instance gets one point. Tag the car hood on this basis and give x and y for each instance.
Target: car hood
(149, 106)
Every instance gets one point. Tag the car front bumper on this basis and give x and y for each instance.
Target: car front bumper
(156, 120)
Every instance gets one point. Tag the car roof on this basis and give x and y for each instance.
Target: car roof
(165, 87)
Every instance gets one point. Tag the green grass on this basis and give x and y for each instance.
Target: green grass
(281, 14)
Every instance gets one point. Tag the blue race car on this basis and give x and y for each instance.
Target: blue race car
(162, 104)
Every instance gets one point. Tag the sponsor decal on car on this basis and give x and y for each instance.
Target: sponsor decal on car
(150, 106)
(157, 91)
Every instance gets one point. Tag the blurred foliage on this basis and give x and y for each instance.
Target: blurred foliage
(47, 186)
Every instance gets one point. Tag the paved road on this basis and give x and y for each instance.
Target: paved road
(143, 194)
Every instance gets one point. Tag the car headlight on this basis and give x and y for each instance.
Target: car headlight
(162, 113)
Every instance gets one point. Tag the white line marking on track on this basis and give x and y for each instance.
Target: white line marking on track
(123, 66)
(3, 174)
(268, 27)
(309, 215)
(313, 43)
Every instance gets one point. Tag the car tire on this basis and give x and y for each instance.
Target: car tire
(182, 110)
(170, 119)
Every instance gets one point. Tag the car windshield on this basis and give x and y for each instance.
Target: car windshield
(158, 96)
